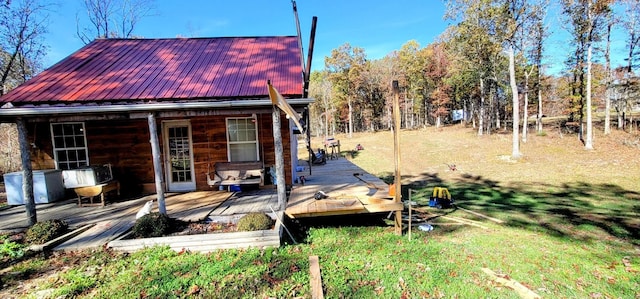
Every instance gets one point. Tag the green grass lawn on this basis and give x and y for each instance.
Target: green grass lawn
(562, 236)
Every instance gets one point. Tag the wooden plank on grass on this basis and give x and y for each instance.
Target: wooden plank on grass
(522, 291)
(316, 279)
(465, 221)
(480, 215)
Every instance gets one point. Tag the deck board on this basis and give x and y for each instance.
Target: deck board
(347, 194)
(260, 200)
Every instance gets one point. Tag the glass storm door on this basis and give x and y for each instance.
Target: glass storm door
(178, 156)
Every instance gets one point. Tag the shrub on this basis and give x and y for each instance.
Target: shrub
(45, 231)
(152, 225)
(255, 221)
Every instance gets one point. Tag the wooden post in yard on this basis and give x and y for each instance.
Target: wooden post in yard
(157, 162)
(396, 153)
(279, 149)
(27, 173)
(315, 278)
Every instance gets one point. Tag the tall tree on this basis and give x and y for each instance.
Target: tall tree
(475, 39)
(321, 89)
(607, 58)
(587, 18)
(437, 72)
(345, 65)
(23, 24)
(112, 18)
(412, 66)
(539, 35)
(631, 23)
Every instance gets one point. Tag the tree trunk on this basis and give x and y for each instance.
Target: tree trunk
(350, 118)
(620, 112)
(481, 109)
(279, 156)
(525, 110)
(515, 152)
(588, 144)
(157, 162)
(607, 94)
(539, 118)
(27, 173)
(497, 110)
(489, 119)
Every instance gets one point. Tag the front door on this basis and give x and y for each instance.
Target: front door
(178, 156)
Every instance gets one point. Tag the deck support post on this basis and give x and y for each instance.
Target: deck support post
(396, 153)
(157, 162)
(279, 151)
(27, 173)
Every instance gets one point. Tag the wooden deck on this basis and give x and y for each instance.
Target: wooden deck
(347, 194)
(113, 219)
(192, 206)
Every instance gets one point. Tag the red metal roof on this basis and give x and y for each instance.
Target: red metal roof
(168, 69)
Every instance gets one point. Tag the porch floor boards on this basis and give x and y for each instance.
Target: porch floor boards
(251, 201)
(347, 194)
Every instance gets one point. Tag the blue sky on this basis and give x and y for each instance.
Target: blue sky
(378, 26)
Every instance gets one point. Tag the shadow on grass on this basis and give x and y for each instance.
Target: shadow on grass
(577, 210)
(299, 228)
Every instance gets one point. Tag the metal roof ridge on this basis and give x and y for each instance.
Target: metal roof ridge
(194, 38)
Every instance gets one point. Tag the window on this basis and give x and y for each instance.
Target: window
(69, 145)
(242, 139)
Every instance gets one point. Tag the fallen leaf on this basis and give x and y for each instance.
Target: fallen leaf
(626, 261)
(193, 290)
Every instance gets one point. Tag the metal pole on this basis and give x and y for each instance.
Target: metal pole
(410, 201)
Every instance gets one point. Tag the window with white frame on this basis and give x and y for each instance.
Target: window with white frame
(242, 139)
(69, 145)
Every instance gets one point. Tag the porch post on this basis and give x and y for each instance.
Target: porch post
(279, 149)
(396, 152)
(157, 162)
(27, 173)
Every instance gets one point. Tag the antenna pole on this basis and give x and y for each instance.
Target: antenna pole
(295, 15)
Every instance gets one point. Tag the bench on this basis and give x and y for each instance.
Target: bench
(91, 191)
(236, 173)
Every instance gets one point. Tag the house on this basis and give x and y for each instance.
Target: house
(207, 97)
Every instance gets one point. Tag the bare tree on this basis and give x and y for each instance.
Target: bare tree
(22, 26)
(112, 18)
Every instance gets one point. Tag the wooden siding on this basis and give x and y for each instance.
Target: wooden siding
(125, 145)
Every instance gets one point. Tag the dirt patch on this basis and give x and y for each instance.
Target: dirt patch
(196, 228)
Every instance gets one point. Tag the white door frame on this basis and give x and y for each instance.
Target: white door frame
(171, 185)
